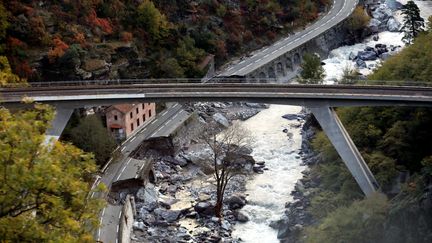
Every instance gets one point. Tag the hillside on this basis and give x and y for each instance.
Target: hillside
(99, 39)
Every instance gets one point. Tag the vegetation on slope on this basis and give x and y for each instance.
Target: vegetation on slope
(397, 146)
(165, 38)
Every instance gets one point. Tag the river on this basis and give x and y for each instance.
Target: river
(268, 192)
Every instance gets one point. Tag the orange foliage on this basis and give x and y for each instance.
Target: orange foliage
(102, 23)
(24, 70)
(271, 35)
(14, 43)
(126, 36)
(58, 50)
(221, 50)
(80, 38)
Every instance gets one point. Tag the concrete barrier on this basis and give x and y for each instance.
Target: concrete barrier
(126, 220)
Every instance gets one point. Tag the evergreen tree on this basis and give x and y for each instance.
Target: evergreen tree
(91, 136)
(413, 24)
(312, 71)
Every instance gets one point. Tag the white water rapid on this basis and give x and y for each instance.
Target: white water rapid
(268, 192)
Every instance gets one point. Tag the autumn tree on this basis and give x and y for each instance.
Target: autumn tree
(6, 75)
(4, 24)
(226, 147)
(43, 190)
(152, 20)
(312, 72)
(413, 24)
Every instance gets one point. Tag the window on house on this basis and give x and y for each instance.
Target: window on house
(130, 114)
(137, 110)
(115, 117)
(138, 122)
(132, 127)
(143, 118)
(149, 113)
(143, 106)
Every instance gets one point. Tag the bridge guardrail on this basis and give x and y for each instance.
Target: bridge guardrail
(215, 80)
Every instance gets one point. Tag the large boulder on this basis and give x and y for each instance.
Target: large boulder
(393, 25)
(393, 5)
(382, 13)
(167, 215)
(242, 217)
(374, 25)
(149, 196)
(367, 55)
(235, 201)
(360, 63)
(204, 208)
(221, 119)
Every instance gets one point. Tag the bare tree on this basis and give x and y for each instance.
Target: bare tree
(226, 147)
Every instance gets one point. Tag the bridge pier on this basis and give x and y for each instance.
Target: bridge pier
(61, 118)
(346, 148)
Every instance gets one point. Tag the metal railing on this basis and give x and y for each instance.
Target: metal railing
(122, 82)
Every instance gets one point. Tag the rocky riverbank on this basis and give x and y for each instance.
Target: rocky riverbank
(296, 216)
(179, 206)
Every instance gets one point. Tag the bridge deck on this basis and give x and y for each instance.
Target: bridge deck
(295, 94)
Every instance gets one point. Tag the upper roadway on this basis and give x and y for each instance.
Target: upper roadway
(339, 11)
(293, 94)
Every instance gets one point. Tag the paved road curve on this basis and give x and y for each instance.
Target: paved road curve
(164, 124)
(339, 11)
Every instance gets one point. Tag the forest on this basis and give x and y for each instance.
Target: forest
(396, 143)
(100, 39)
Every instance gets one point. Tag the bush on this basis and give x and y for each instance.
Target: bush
(363, 221)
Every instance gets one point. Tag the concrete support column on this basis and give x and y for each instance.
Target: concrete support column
(347, 150)
(62, 115)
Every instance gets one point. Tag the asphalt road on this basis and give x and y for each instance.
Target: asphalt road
(163, 125)
(340, 10)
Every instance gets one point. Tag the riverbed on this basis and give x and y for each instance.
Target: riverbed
(268, 192)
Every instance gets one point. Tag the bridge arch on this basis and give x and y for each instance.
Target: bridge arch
(280, 70)
(297, 59)
(271, 72)
(262, 77)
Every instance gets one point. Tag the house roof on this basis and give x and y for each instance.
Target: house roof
(123, 108)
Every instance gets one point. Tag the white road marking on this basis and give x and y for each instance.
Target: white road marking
(175, 116)
(142, 166)
(274, 51)
(119, 215)
(123, 149)
(133, 139)
(257, 60)
(266, 55)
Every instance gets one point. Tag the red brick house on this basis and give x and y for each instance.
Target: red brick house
(122, 120)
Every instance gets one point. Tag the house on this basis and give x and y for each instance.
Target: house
(122, 120)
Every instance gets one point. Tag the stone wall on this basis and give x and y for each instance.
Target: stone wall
(127, 219)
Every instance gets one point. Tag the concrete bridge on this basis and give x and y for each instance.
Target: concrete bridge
(320, 99)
